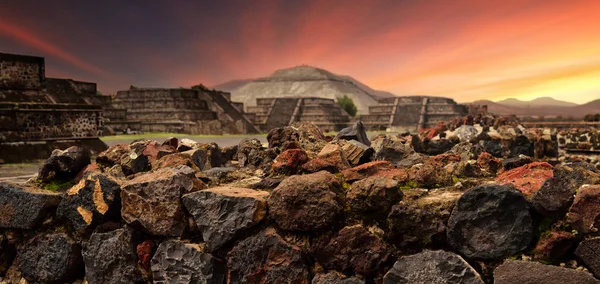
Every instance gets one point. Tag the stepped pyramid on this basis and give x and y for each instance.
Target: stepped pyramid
(303, 82)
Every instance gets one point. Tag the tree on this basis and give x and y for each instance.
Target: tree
(347, 104)
(201, 88)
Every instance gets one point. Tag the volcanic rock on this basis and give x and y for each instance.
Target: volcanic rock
(584, 214)
(431, 267)
(420, 219)
(65, 164)
(51, 258)
(493, 147)
(221, 213)
(466, 133)
(437, 147)
(351, 249)
(110, 258)
(152, 201)
(331, 159)
(490, 222)
(155, 151)
(298, 135)
(530, 272)
(355, 132)
(489, 163)
(251, 153)
(335, 278)
(556, 194)
(554, 245)
(390, 149)
(522, 146)
(366, 170)
(516, 162)
(307, 202)
(131, 160)
(290, 161)
(178, 262)
(23, 207)
(198, 157)
(266, 258)
(467, 151)
(174, 160)
(93, 200)
(527, 179)
(373, 195)
(357, 153)
(588, 251)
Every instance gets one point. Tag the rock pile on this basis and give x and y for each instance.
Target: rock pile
(305, 209)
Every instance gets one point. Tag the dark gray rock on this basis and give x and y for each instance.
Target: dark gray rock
(95, 199)
(355, 132)
(515, 162)
(51, 258)
(493, 147)
(23, 207)
(432, 267)
(251, 153)
(522, 146)
(178, 262)
(221, 213)
(437, 147)
(65, 164)
(530, 272)
(111, 258)
(391, 149)
(556, 194)
(7, 254)
(131, 160)
(152, 201)
(335, 278)
(467, 151)
(411, 160)
(490, 222)
(219, 172)
(588, 251)
(307, 202)
(374, 195)
(266, 258)
(352, 249)
(198, 157)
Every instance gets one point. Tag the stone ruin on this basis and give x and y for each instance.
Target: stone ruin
(412, 113)
(304, 209)
(275, 112)
(176, 110)
(38, 114)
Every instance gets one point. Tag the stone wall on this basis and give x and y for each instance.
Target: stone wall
(21, 72)
(409, 114)
(278, 112)
(175, 110)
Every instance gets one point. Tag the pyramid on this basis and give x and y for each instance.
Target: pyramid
(304, 82)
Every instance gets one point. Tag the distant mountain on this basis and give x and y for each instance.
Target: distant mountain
(539, 102)
(233, 85)
(574, 110)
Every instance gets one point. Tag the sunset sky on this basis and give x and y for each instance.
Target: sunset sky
(464, 49)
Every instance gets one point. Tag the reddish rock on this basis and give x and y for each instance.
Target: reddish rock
(527, 179)
(307, 202)
(444, 159)
(155, 151)
(331, 159)
(584, 214)
(489, 163)
(431, 175)
(366, 170)
(174, 160)
(144, 253)
(400, 175)
(290, 161)
(352, 249)
(88, 169)
(554, 245)
(373, 195)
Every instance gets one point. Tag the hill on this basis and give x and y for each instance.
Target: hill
(577, 111)
(539, 102)
(303, 81)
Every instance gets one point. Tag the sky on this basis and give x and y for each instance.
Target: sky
(463, 49)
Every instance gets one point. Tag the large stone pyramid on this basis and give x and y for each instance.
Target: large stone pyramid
(304, 82)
